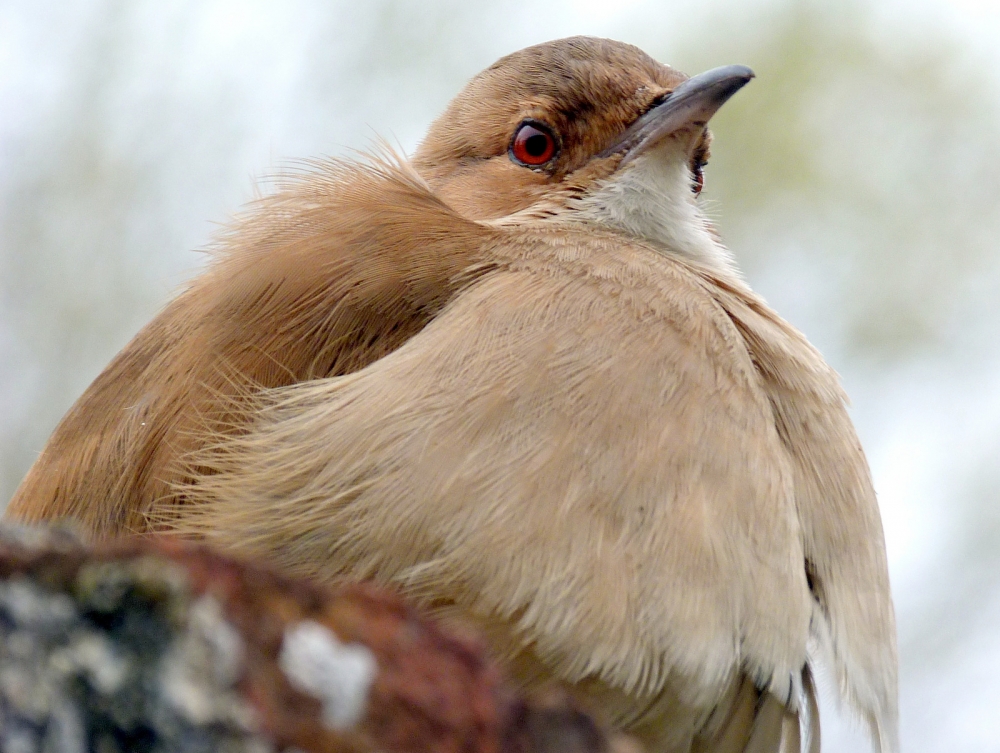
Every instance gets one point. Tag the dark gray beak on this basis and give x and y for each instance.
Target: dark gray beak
(690, 105)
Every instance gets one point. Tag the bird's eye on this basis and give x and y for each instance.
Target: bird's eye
(533, 145)
(698, 176)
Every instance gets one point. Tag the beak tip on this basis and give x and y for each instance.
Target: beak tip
(739, 75)
(724, 82)
(693, 102)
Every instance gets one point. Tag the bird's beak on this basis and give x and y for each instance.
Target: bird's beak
(689, 106)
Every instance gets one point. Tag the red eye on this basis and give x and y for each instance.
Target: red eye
(533, 145)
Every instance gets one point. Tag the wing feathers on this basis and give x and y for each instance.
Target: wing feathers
(841, 528)
(332, 272)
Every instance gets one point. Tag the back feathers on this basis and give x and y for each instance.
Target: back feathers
(336, 269)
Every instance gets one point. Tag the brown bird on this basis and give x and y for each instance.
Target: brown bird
(521, 379)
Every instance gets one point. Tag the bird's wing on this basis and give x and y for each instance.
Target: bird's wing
(578, 446)
(333, 271)
(854, 627)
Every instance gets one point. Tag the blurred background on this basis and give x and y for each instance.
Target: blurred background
(857, 181)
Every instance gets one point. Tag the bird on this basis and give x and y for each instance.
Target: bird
(520, 378)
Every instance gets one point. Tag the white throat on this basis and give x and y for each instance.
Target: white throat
(651, 198)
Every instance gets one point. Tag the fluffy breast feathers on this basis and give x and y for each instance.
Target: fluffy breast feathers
(620, 456)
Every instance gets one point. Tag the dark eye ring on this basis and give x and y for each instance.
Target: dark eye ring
(533, 144)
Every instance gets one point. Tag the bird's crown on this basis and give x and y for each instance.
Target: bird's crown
(560, 117)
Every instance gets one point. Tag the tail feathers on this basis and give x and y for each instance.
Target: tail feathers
(757, 721)
(809, 713)
(801, 728)
(769, 725)
(791, 734)
(731, 736)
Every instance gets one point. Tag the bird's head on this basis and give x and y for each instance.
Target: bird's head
(583, 129)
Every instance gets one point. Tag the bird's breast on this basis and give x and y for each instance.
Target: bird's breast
(575, 446)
